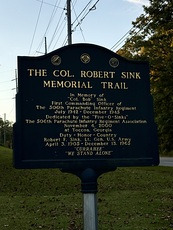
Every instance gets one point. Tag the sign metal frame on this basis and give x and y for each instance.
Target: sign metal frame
(116, 103)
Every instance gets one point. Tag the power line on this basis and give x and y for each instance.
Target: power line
(56, 6)
(4, 90)
(78, 22)
(60, 33)
(92, 8)
(5, 99)
(133, 33)
(47, 3)
(65, 41)
(39, 13)
(85, 8)
(58, 26)
(61, 23)
(6, 81)
(120, 40)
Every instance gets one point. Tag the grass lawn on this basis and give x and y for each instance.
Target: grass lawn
(128, 198)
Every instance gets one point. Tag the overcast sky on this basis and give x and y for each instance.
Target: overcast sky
(24, 24)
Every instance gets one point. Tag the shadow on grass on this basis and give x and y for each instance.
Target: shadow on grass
(128, 198)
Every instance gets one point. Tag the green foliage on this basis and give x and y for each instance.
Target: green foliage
(128, 198)
(6, 130)
(152, 40)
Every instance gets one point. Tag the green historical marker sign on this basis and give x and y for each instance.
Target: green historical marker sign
(83, 106)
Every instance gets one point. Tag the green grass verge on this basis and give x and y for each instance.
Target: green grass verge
(128, 198)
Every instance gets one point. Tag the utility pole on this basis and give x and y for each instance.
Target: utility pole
(45, 47)
(4, 129)
(69, 22)
(45, 42)
(16, 80)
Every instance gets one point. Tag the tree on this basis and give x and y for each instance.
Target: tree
(152, 40)
(6, 132)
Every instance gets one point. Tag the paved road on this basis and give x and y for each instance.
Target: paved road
(166, 161)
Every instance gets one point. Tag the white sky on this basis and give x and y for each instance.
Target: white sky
(103, 26)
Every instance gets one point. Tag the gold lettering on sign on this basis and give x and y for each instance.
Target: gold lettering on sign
(62, 73)
(37, 72)
(97, 74)
(112, 85)
(131, 75)
(67, 84)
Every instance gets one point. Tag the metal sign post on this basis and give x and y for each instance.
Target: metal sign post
(90, 211)
(89, 178)
(89, 189)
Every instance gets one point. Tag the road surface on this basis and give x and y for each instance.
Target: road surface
(166, 161)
